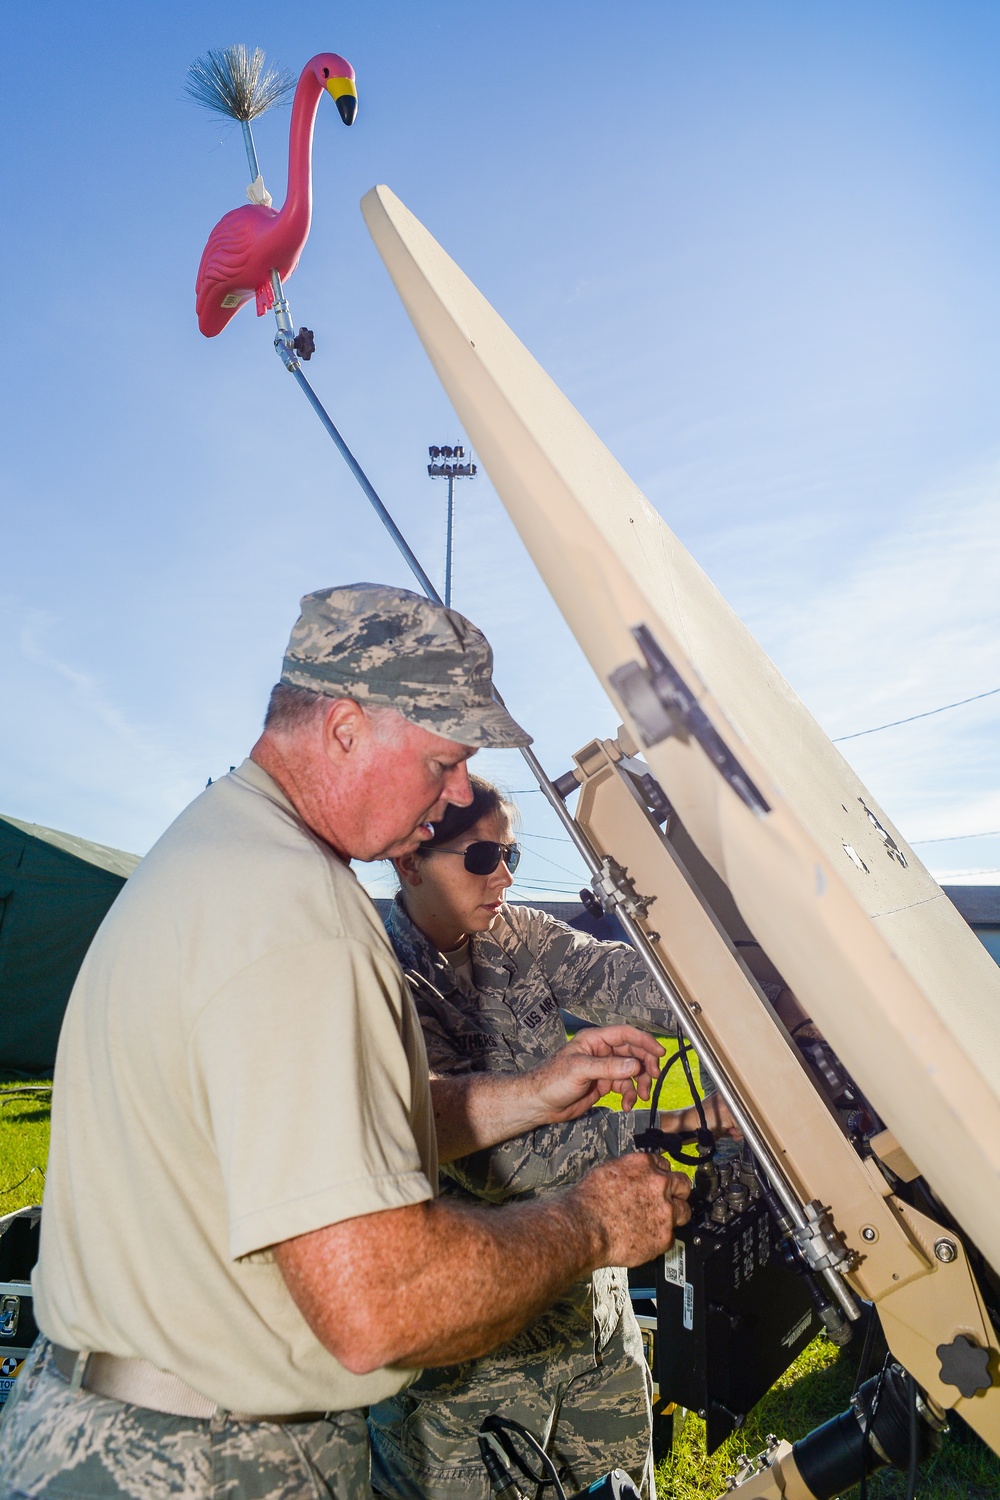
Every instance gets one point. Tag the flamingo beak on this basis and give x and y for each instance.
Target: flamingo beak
(345, 95)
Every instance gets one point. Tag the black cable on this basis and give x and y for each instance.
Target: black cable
(867, 1424)
(654, 1100)
(683, 1048)
(9, 1095)
(866, 1350)
(911, 1476)
(500, 1427)
(673, 1141)
(12, 1187)
(695, 1096)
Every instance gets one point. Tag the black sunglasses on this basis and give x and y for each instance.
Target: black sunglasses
(483, 856)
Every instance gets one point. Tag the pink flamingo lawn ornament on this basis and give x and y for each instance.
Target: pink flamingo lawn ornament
(247, 253)
(251, 242)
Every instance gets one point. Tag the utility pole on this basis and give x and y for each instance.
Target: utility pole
(449, 463)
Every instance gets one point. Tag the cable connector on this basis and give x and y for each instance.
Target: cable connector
(673, 1141)
(501, 1479)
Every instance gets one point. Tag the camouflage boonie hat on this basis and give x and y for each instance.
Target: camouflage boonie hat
(396, 649)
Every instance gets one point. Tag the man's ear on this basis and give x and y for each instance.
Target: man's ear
(342, 723)
(408, 868)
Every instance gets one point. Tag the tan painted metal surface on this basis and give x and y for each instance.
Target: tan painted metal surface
(767, 1069)
(778, 1480)
(874, 950)
(922, 1301)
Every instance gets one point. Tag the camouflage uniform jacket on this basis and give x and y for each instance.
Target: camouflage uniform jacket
(526, 970)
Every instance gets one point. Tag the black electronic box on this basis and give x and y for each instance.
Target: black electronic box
(18, 1330)
(731, 1317)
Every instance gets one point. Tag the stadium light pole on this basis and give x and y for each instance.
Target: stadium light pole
(449, 463)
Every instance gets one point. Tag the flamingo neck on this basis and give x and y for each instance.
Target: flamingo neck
(296, 211)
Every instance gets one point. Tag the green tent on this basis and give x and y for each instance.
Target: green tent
(54, 891)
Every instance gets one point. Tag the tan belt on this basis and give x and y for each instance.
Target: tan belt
(141, 1384)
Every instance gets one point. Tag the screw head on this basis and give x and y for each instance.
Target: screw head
(869, 1234)
(946, 1251)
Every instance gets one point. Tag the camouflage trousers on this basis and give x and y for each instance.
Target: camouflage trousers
(55, 1445)
(590, 1408)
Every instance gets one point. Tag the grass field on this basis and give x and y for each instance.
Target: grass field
(816, 1387)
(24, 1143)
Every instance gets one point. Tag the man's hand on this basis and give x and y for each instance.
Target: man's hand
(598, 1060)
(439, 1282)
(638, 1202)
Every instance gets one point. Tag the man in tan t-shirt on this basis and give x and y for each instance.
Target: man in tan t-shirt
(241, 1247)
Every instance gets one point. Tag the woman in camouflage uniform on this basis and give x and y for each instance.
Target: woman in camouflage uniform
(490, 981)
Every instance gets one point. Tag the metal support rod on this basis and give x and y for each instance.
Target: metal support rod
(284, 340)
(251, 150)
(285, 345)
(688, 1021)
(366, 485)
(449, 541)
(686, 1015)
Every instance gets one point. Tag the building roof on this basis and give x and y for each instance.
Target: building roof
(114, 860)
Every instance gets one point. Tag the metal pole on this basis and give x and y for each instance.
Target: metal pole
(449, 541)
(251, 150)
(687, 1020)
(366, 485)
(284, 343)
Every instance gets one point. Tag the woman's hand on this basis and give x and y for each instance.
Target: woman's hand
(476, 1110)
(717, 1115)
(599, 1060)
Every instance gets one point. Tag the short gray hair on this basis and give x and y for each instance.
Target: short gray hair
(290, 708)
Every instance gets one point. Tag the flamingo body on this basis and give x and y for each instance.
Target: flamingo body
(243, 248)
(250, 242)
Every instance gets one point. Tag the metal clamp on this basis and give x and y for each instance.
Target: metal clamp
(820, 1242)
(615, 889)
(661, 704)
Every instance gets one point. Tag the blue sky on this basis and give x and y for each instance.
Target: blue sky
(755, 243)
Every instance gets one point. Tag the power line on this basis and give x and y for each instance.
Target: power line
(943, 838)
(949, 838)
(543, 883)
(839, 738)
(545, 860)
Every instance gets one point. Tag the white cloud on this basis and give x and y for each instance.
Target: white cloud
(78, 761)
(900, 625)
